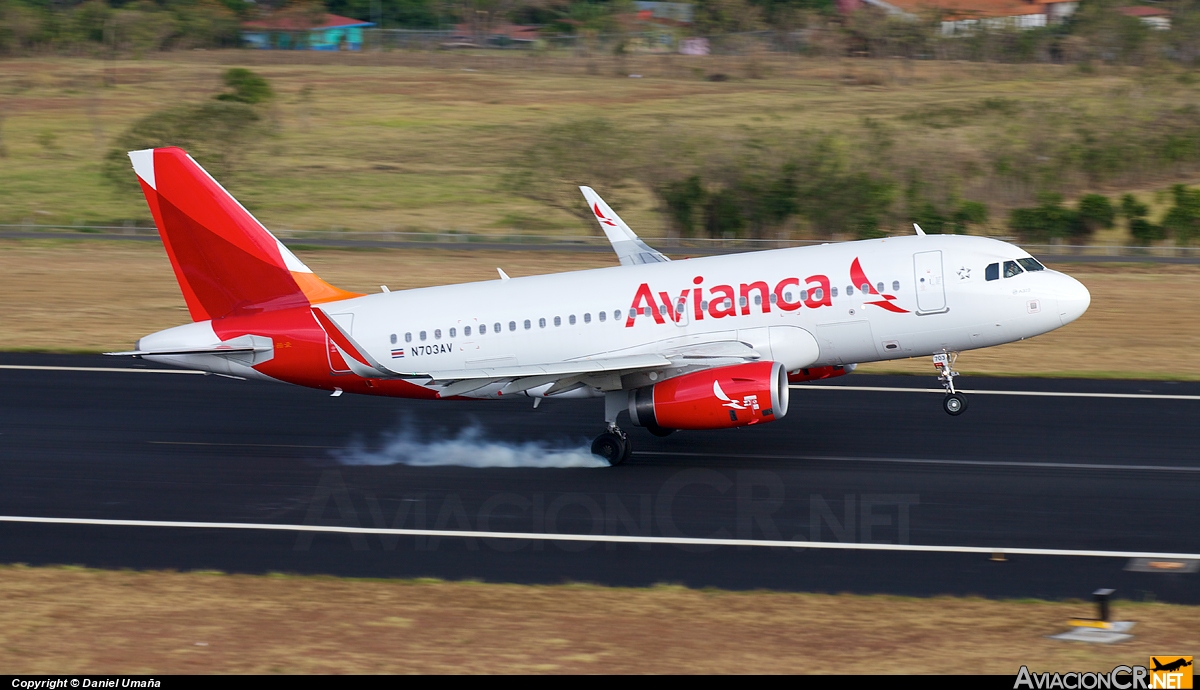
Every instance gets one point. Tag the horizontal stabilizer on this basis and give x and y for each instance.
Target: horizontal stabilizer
(187, 351)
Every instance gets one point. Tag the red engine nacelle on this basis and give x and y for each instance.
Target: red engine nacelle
(818, 373)
(714, 398)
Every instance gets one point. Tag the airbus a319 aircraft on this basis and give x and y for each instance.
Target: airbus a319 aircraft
(706, 343)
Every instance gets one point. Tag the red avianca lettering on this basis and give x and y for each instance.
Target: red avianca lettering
(721, 301)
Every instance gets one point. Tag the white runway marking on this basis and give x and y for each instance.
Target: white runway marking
(1042, 394)
(110, 369)
(924, 461)
(602, 538)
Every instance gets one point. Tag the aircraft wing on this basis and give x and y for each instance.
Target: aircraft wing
(600, 372)
(630, 249)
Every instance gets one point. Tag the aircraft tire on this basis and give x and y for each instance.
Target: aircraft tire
(612, 447)
(954, 404)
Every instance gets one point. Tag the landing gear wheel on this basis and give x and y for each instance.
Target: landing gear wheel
(613, 446)
(954, 404)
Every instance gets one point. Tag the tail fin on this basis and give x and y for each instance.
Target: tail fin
(225, 260)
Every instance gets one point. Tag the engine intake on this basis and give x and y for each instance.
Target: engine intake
(719, 398)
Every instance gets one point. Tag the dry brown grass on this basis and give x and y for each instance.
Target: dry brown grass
(71, 620)
(96, 296)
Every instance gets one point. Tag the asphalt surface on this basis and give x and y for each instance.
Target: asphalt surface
(855, 466)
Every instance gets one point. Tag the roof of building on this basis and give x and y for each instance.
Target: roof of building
(973, 8)
(1143, 11)
(295, 23)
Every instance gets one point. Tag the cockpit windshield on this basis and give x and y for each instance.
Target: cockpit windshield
(1011, 269)
(1031, 264)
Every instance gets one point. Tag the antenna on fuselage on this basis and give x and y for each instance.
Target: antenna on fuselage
(503, 275)
(919, 230)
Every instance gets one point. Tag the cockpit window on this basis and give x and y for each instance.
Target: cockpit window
(1011, 269)
(992, 272)
(1031, 264)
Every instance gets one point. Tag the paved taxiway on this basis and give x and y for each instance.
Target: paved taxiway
(1036, 471)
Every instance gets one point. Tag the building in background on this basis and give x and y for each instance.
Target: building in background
(1157, 18)
(965, 16)
(292, 32)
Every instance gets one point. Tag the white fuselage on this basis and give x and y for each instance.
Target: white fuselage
(929, 294)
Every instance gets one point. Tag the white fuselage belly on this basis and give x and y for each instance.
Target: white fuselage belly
(917, 317)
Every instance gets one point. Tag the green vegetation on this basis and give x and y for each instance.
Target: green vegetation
(221, 132)
(351, 142)
(1097, 32)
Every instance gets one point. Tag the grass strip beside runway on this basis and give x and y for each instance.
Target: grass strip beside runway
(71, 620)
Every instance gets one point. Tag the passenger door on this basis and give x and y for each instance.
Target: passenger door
(931, 288)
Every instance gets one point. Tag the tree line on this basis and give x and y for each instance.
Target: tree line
(1096, 32)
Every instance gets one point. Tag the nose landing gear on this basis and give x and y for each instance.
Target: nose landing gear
(954, 403)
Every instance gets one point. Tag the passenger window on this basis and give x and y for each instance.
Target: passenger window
(850, 290)
(408, 337)
(603, 316)
(453, 332)
(662, 309)
(758, 300)
(742, 301)
(422, 335)
(704, 305)
(1011, 269)
(558, 321)
(774, 298)
(865, 288)
(542, 323)
(1031, 264)
(437, 334)
(496, 327)
(528, 324)
(467, 331)
(878, 287)
(482, 328)
(617, 315)
(818, 294)
(571, 318)
(394, 338)
(992, 272)
(832, 292)
(512, 325)
(787, 296)
(896, 285)
(645, 311)
(804, 295)
(587, 318)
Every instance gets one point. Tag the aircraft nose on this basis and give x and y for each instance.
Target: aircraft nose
(1073, 299)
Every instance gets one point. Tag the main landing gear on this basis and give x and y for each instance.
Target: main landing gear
(613, 445)
(954, 403)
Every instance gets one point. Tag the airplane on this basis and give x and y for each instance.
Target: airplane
(1179, 663)
(702, 343)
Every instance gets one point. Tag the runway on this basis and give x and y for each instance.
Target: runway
(1111, 466)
